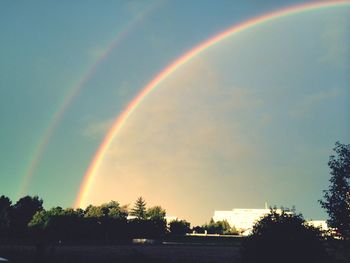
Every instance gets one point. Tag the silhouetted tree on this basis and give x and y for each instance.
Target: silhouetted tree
(283, 237)
(179, 227)
(111, 210)
(22, 213)
(156, 217)
(199, 229)
(65, 225)
(156, 213)
(115, 211)
(97, 224)
(337, 198)
(108, 221)
(39, 220)
(5, 206)
(139, 209)
(94, 211)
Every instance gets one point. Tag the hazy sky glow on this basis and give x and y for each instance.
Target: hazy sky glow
(250, 120)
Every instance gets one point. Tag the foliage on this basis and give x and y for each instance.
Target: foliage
(94, 211)
(179, 227)
(337, 198)
(219, 227)
(157, 224)
(111, 210)
(284, 237)
(39, 220)
(156, 213)
(21, 214)
(97, 224)
(139, 209)
(5, 206)
(199, 229)
(148, 223)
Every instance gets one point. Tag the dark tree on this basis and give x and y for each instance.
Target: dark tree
(139, 209)
(115, 211)
(336, 200)
(156, 213)
(156, 217)
(5, 206)
(22, 213)
(179, 227)
(199, 229)
(284, 237)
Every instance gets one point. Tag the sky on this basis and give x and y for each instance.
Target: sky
(252, 119)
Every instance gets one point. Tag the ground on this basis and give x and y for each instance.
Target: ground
(123, 253)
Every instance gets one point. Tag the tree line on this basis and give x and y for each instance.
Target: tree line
(110, 222)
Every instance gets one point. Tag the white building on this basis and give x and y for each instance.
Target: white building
(243, 219)
(321, 224)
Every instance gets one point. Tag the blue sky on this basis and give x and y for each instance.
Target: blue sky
(47, 48)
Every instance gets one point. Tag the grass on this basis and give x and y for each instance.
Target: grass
(177, 250)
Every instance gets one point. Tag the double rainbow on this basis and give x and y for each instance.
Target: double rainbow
(171, 68)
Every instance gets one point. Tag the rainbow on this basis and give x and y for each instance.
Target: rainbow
(171, 68)
(40, 148)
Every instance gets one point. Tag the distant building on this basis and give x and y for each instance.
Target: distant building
(243, 219)
(321, 224)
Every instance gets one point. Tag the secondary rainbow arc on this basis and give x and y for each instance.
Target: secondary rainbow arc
(73, 92)
(171, 68)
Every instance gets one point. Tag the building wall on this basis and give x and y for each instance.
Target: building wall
(322, 224)
(242, 219)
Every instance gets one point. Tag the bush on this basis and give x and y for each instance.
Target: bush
(179, 227)
(220, 227)
(284, 237)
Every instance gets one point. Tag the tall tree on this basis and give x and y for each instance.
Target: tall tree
(5, 206)
(156, 217)
(179, 227)
(22, 213)
(95, 211)
(139, 209)
(336, 200)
